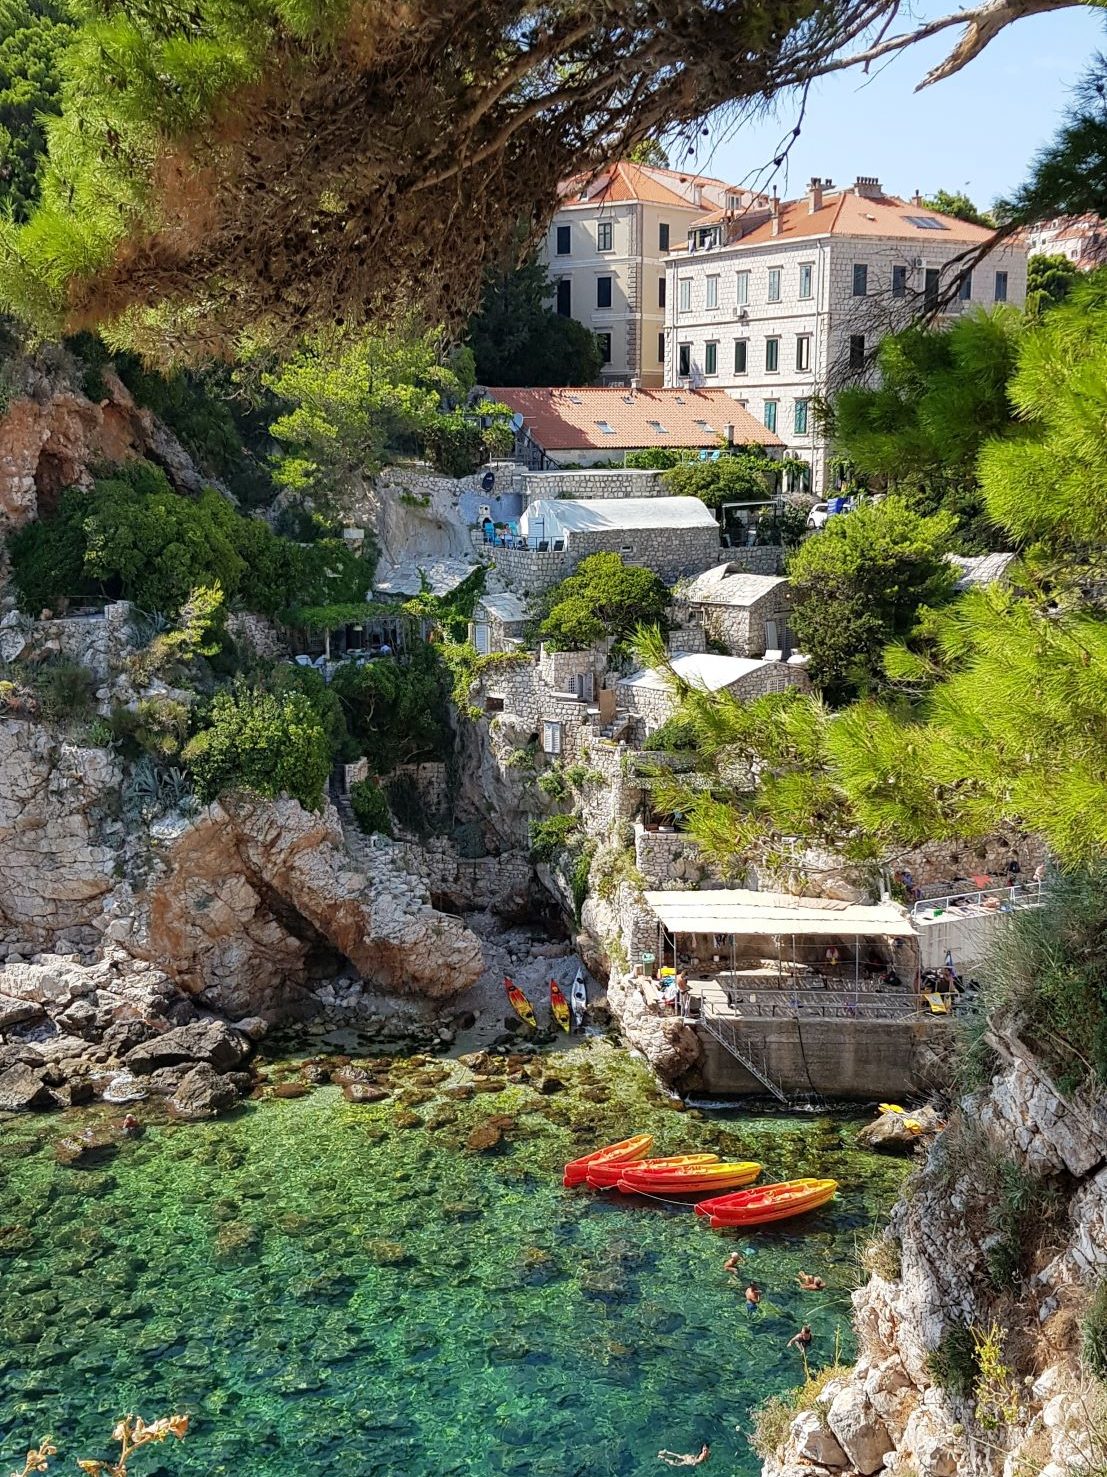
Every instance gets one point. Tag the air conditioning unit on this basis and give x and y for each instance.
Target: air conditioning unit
(918, 264)
(743, 315)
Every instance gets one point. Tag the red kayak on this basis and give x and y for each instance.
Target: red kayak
(688, 1179)
(767, 1203)
(626, 1152)
(605, 1175)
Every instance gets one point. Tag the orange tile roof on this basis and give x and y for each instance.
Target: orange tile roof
(568, 419)
(626, 181)
(845, 213)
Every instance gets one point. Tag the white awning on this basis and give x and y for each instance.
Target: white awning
(739, 911)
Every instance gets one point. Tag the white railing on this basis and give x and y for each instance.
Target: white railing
(979, 901)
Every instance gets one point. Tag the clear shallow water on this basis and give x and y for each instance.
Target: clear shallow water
(321, 1289)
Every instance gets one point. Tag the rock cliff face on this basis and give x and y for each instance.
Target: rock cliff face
(971, 1358)
(234, 905)
(52, 435)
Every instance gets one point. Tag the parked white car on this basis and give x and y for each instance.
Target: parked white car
(818, 515)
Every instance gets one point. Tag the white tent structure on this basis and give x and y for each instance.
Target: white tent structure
(560, 518)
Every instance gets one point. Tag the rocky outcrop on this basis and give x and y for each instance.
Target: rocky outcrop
(670, 1046)
(250, 889)
(52, 437)
(969, 1331)
(60, 835)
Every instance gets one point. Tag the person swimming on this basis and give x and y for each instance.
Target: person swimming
(686, 1459)
(810, 1283)
(731, 1263)
(801, 1340)
(753, 1298)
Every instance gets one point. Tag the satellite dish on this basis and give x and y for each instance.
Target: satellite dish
(517, 421)
(488, 481)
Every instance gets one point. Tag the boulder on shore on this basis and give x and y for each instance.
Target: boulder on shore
(899, 1132)
(210, 1041)
(22, 1089)
(202, 1093)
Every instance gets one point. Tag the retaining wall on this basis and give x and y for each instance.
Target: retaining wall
(607, 483)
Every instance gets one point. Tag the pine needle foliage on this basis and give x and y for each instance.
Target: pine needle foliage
(270, 167)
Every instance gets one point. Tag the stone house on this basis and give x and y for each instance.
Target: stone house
(747, 613)
(649, 696)
(673, 536)
(498, 623)
(779, 303)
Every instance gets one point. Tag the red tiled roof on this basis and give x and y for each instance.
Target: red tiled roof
(624, 180)
(845, 213)
(568, 419)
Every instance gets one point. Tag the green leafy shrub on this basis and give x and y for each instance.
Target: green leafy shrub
(132, 536)
(658, 458)
(550, 837)
(580, 775)
(157, 726)
(554, 783)
(952, 1365)
(677, 735)
(396, 710)
(272, 744)
(602, 597)
(577, 865)
(370, 807)
(744, 477)
(324, 698)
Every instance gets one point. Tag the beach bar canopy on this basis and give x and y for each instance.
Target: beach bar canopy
(739, 911)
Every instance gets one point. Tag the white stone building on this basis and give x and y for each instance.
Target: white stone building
(747, 613)
(780, 302)
(673, 536)
(1081, 238)
(606, 250)
(650, 697)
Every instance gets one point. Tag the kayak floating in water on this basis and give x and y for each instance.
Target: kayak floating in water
(767, 1203)
(605, 1174)
(579, 997)
(559, 1006)
(519, 1002)
(627, 1151)
(691, 1179)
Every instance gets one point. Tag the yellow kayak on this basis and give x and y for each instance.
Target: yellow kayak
(519, 1003)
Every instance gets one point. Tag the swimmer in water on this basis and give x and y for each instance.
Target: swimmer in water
(731, 1263)
(676, 1459)
(810, 1283)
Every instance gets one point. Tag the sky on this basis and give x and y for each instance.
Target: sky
(976, 131)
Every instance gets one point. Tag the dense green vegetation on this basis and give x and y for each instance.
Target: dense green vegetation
(943, 393)
(354, 399)
(861, 584)
(370, 807)
(132, 537)
(396, 711)
(262, 742)
(32, 36)
(958, 204)
(517, 338)
(746, 476)
(1049, 280)
(602, 597)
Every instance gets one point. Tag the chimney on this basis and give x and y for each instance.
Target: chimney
(867, 186)
(815, 195)
(697, 196)
(774, 213)
(917, 199)
(728, 432)
(635, 383)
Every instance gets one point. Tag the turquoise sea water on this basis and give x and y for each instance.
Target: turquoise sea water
(324, 1290)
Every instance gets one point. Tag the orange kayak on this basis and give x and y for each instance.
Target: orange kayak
(559, 1006)
(691, 1179)
(519, 1002)
(627, 1151)
(767, 1203)
(605, 1175)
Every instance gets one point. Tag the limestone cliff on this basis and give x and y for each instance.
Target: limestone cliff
(233, 904)
(972, 1360)
(52, 435)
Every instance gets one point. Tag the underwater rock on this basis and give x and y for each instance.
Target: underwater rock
(484, 1137)
(289, 1090)
(238, 1238)
(386, 1253)
(364, 1092)
(81, 1150)
(405, 1118)
(347, 1076)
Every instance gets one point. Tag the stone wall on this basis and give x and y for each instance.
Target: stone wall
(483, 882)
(558, 669)
(672, 553)
(761, 559)
(430, 782)
(527, 571)
(606, 483)
(257, 635)
(741, 628)
(669, 859)
(98, 640)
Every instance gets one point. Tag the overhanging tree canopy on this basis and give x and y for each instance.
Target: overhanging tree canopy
(226, 167)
